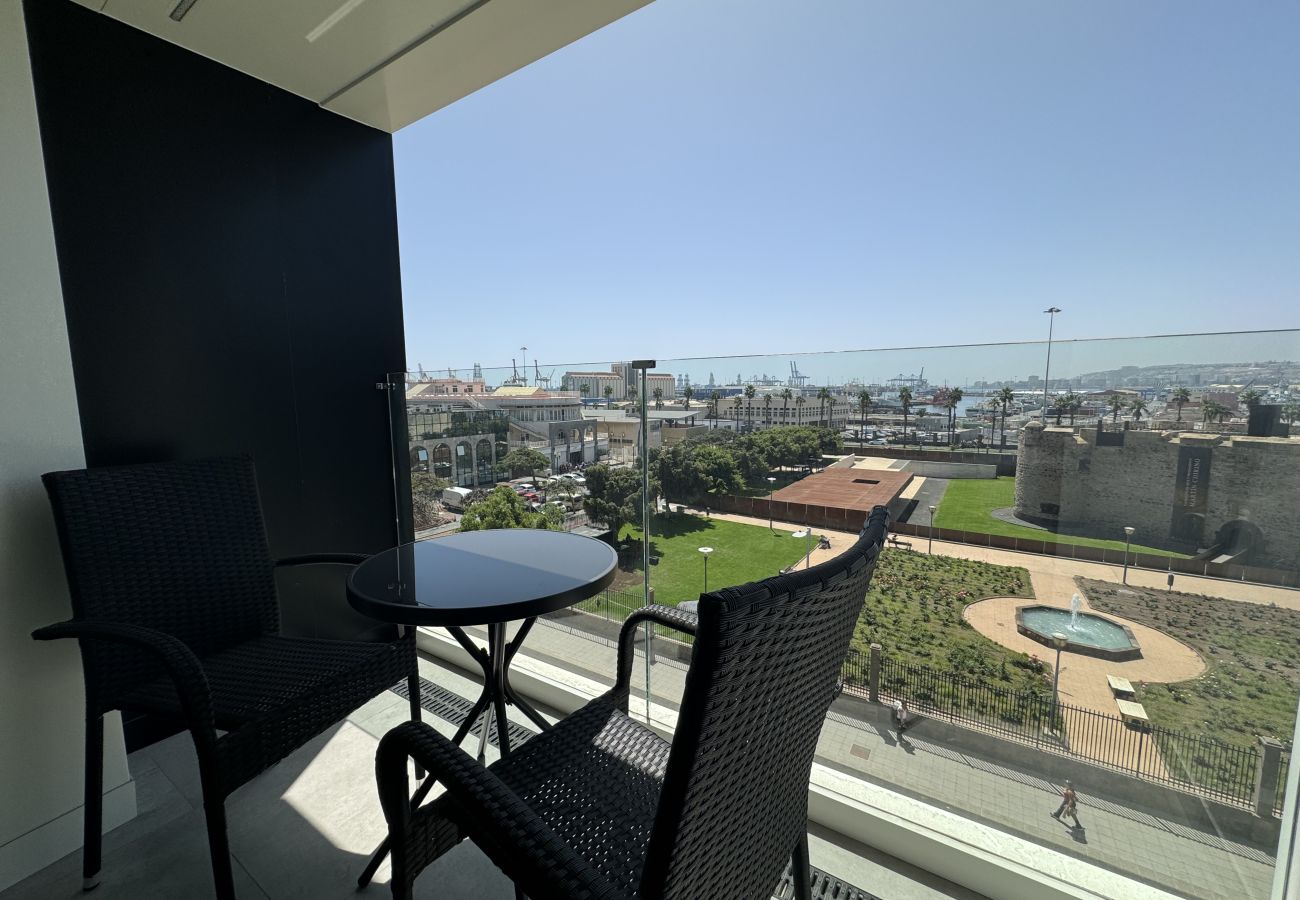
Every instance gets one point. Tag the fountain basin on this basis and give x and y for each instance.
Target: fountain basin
(1093, 635)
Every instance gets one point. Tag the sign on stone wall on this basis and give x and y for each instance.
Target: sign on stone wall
(1191, 494)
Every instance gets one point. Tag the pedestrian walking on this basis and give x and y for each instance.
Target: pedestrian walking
(903, 717)
(1069, 805)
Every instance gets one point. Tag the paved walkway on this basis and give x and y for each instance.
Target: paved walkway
(1131, 841)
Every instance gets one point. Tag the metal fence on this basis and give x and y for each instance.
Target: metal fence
(1189, 762)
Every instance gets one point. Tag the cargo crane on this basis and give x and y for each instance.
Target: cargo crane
(797, 378)
(542, 381)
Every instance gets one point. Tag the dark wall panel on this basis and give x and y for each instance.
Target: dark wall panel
(229, 261)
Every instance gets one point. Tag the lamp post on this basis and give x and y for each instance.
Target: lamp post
(1058, 641)
(1051, 322)
(705, 551)
(771, 486)
(803, 533)
(1128, 537)
(930, 549)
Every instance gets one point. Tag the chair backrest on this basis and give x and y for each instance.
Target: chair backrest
(766, 661)
(179, 547)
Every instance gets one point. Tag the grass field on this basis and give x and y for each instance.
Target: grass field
(968, 505)
(1252, 653)
(741, 553)
(914, 611)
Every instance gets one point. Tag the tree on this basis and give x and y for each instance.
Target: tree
(950, 403)
(750, 392)
(767, 410)
(718, 468)
(786, 395)
(658, 394)
(1073, 403)
(687, 393)
(798, 407)
(823, 394)
(613, 497)
(1181, 397)
(608, 392)
(1006, 397)
(714, 397)
(1116, 404)
(738, 408)
(503, 508)
(584, 389)
(1138, 407)
(864, 403)
(426, 490)
(1058, 402)
(991, 406)
(525, 459)
(1290, 412)
(1212, 410)
(633, 395)
(905, 400)
(1251, 398)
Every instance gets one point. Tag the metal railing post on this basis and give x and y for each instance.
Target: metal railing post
(1266, 776)
(873, 674)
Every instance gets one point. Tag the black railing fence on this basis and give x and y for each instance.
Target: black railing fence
(1201, 765)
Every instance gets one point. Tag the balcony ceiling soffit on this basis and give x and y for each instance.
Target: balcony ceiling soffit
(386, 63)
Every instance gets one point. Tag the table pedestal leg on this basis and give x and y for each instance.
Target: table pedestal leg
(491, 705)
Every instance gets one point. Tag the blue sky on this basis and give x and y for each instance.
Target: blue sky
(721, 177)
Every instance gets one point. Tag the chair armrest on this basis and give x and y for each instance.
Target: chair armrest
(664, 615)
(531, 854)
(307, 559)
(182, 665)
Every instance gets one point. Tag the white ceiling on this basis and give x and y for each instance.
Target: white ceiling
(386, 63)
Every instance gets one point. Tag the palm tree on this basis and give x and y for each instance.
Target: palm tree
(737, 410)
(633, 394)
(1074, 404)
(991, 405)
(786, 395)
(767, 410)
(954, 398)
(823, 394)
(749, 404)
(798, 406)
(1211, 410)
(1116, 404)
(1005, 397)
(687, 393)
(714, 397)
(584, 389)
(1138, 406)
(864, 402)
(609, 393)
(1290, 412)
(1181, 397)
(1058, 403)
(658, 394)
(1251, 398)
(905, 400)
(830, 410)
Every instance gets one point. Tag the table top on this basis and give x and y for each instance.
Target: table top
(1130, 710)
(481, 577)
(1119, 684)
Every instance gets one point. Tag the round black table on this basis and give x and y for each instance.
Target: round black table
(481, 578)
(484, 578)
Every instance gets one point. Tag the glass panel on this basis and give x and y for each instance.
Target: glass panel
(1153, 479)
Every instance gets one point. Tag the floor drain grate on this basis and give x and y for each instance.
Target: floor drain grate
(824, 887)
(454, 708)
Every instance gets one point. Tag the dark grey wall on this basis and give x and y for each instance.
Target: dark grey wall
(229, 261)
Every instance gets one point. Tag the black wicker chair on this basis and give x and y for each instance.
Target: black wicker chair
(602, 807)
(174, 603)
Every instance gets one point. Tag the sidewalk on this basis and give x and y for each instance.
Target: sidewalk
(1130, 841)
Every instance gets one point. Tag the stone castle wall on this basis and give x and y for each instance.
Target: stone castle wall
(1064, 476)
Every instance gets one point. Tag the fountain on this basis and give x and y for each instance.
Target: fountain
(1086, 633)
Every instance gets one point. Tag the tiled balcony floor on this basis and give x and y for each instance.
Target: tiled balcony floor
(305, 828)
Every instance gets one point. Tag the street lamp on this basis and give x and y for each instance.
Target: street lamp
(1047, 373)
(771, 486)
(1058, 641)
(706, 551)
(803, 533)
(1128, 537)
(930, 550)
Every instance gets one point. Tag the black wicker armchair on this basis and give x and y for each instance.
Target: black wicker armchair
(175, 608)
(602, 807)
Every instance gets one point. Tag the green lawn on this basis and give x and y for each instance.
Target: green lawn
(914, 611)
(969, 502)
(1252, 654)
(741, 553)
